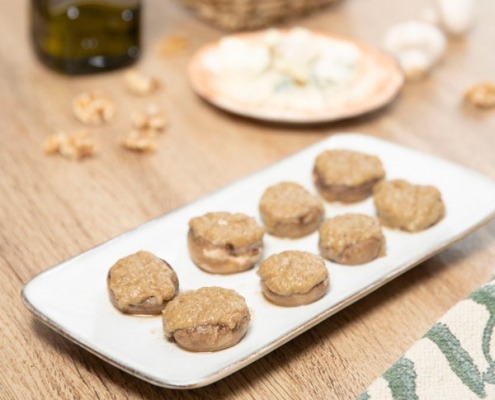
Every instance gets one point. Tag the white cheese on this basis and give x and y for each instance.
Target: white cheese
(294, 70)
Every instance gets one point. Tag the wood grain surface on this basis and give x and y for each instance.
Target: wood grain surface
(52, 208)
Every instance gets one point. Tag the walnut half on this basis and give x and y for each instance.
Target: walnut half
(140, 84)
(481, 95)
(75, 146)
(93, 108)
(143, 140)
(152, 118)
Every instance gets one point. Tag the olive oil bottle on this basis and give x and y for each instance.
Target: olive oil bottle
(86, 36)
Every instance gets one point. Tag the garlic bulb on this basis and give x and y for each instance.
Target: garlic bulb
(455, 16)
(417, 45)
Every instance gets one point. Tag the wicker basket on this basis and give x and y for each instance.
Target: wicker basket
(236, 15)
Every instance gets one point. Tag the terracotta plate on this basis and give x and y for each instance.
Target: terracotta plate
(377, 82)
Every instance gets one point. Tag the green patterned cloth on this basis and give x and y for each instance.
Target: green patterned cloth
(455, 360)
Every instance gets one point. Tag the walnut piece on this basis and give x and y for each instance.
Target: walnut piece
(74, 146)
(93, 108)
(143, 140)
(152, 118)
(173, 45)
(481, 95)
(140, 84)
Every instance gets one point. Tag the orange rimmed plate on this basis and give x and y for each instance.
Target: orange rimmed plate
(377, 81)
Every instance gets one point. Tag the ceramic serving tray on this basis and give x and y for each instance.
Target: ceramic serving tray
(72, 297)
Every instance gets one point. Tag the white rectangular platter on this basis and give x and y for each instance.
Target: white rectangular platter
(72, 296)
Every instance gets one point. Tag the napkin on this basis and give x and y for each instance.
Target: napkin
(455, 360)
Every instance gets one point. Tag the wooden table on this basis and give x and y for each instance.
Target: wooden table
(52, 208)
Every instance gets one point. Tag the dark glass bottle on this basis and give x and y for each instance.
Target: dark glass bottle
(86, 36)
